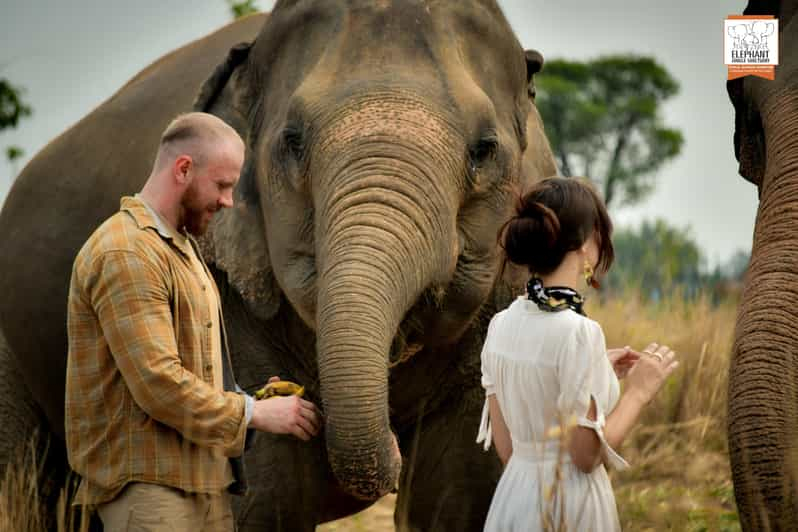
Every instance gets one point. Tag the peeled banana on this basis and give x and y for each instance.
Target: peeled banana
(274, 389)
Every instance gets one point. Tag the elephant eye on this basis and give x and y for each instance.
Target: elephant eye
(481, 152)
(294, 142)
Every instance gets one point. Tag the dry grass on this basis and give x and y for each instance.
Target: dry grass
(20, 487)
(680, 477)
(22, 506)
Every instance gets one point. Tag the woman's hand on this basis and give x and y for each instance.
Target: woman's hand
(655, 364)
(622, 359)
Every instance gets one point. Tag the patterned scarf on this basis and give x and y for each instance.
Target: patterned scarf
(554, 298)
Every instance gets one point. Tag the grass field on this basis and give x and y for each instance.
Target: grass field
(679, 478)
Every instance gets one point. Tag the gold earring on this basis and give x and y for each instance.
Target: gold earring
(588, 273)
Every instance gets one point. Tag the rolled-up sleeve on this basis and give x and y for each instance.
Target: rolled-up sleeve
(608, 454)
(131, 300)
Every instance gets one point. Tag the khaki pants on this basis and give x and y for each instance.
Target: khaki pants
(142, 507)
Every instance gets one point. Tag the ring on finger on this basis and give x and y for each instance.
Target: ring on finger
(656, 354)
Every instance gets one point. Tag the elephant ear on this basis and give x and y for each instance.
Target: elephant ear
(538, 159)
(236, 241)
(224, 93)
(763, 7)
(749, 135)
(534, 64)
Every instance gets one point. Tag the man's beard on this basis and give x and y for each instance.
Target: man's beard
(197, 216)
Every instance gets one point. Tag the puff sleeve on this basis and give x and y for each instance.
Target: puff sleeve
(582, 371)
(485, 435)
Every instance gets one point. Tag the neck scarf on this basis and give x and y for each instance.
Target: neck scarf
(554, 298)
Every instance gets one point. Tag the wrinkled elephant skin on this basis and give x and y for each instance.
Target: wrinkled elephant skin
(763, 378)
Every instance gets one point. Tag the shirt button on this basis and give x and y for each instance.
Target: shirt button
(209, 324)
(203, 288)
(208, 368)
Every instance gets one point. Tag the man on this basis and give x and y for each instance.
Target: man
(154, 418)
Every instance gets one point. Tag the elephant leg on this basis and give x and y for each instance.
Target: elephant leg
(20, 418)
(32, 459)
(447, 479)
(291, 487)
(286, 485)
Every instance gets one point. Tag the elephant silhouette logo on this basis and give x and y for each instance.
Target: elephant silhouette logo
(752, 36)
(751, 45)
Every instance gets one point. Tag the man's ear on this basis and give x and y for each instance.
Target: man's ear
(182, 169)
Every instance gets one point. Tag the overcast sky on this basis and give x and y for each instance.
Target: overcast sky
(70, 56)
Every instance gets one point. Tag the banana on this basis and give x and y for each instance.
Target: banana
(274, 389)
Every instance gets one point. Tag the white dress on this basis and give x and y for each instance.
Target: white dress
(544, 367)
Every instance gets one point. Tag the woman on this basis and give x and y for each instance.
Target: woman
(553, 406)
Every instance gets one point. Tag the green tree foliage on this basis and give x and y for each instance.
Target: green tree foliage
(656, 257)
(14, 152)
(242, 9)
(12, 110)
(603, 120)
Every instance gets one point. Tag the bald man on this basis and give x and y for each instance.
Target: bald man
(155, 422)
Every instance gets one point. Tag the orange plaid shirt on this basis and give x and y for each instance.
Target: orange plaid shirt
(141, 401)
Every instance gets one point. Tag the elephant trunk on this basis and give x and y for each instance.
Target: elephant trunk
(380, 249)
(763, 378)
(356, 318)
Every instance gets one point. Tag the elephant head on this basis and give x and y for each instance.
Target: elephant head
(384, 139)
(763, 378)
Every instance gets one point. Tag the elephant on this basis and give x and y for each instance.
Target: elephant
(762, 30)
(385, 141)
(762, 415)
(738, 33)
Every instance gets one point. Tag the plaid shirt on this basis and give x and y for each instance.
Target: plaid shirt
(141, 402)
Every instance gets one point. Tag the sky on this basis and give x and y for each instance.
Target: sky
(71, 56)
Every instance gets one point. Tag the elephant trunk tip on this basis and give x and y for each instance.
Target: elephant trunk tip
(371, 478)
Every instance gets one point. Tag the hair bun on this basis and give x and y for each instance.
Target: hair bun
(556, 216)
(548, 225)
(531, 233)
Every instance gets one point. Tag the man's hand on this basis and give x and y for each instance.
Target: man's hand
(286, 415)
(623, 359)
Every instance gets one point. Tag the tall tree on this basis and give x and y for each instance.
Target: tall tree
(242, 8)
(603, 120)
(12, 110)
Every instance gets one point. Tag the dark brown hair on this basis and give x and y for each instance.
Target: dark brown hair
(555, 216)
